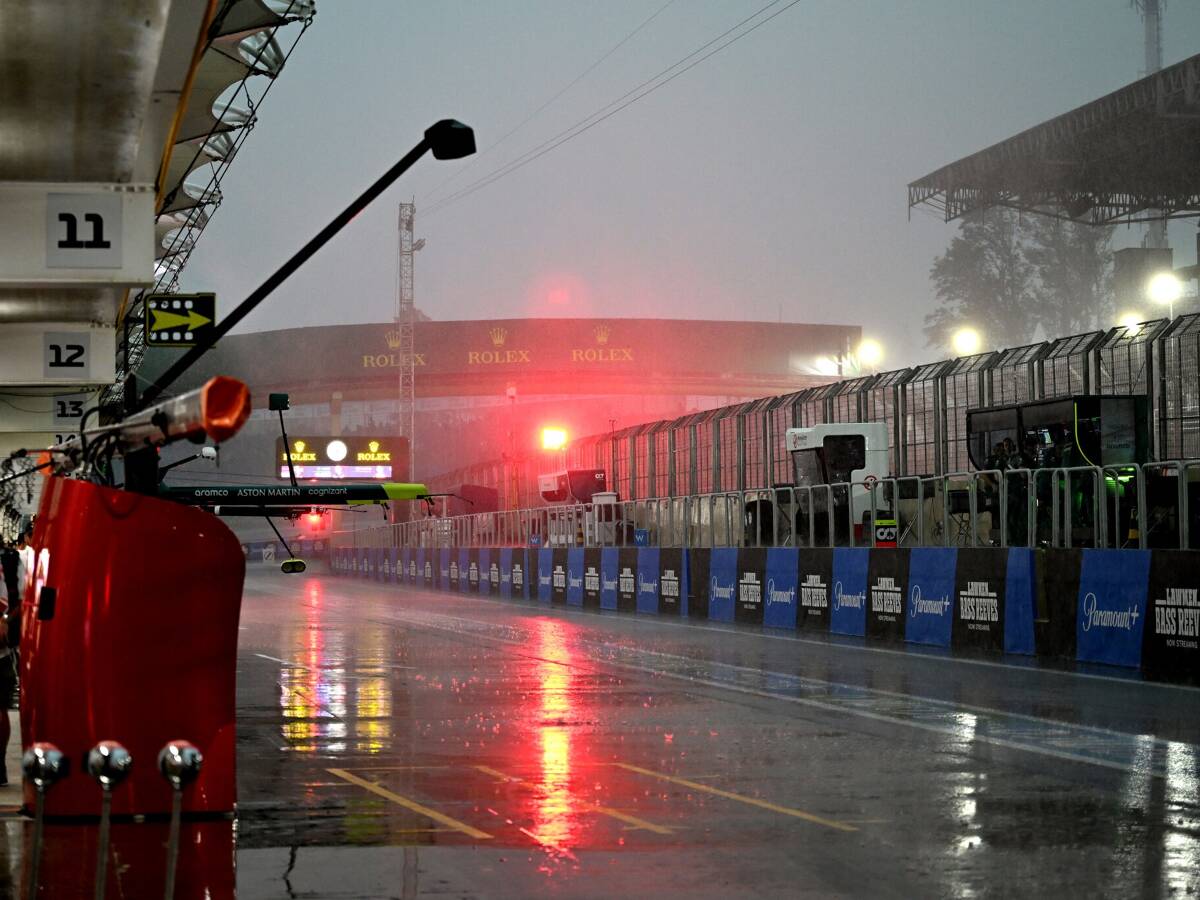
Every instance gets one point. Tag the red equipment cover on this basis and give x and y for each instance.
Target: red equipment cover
(139, 644)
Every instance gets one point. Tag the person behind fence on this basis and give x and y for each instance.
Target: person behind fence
(10, 562)
(1017, 487)
(25, 558)
(988, 493)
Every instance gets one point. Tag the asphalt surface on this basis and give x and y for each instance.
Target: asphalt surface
(394, 742)
(399, 743)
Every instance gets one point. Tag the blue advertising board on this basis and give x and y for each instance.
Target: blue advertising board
(1112, 606)
(506, 555)
(929, 607)
(545, 563)
(1020, 601)
(722, 583)
(609, 576)
(575, 576)
(647, 580)
(848, 614)
(779, 600)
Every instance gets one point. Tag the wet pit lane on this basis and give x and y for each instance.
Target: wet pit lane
(399, 743)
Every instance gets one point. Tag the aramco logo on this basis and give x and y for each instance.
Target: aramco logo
(498, 356)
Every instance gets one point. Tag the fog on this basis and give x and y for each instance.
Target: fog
(767, 182)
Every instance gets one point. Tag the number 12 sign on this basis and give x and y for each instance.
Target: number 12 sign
(66, 353)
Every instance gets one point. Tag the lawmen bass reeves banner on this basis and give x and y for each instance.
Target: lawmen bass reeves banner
(1171, 638)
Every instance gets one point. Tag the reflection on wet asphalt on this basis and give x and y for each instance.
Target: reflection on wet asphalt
(397, 743)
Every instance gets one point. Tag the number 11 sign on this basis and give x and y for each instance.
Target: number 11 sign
(83, 231)
(83, 234)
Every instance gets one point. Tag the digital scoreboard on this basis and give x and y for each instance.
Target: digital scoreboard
(344, 458)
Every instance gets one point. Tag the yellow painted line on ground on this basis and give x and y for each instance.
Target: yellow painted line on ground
(411, 805)
(392, 768)
(583, 804)
(740, 798)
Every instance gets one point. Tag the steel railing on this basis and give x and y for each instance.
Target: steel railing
(1123, 506)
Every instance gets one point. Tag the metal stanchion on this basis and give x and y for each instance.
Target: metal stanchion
(179, 762)
(43, 765)
(109, 764)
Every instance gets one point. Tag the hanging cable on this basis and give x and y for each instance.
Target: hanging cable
(529, 118)
(624, 101)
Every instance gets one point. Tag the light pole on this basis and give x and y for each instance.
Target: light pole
(514, 483)
(446, 139)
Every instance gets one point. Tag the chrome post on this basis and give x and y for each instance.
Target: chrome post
(179, 763)
(109, 764)
(44, 766)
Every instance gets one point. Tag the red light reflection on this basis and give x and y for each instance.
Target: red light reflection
(556, 816)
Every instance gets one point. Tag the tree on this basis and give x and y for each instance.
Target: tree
(984, 281)
(1074, 271)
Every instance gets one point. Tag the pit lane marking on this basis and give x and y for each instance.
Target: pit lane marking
(412, 805)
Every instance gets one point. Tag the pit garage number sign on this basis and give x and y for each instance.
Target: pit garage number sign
(179, 320)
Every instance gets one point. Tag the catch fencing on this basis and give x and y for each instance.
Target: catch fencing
(742, 447)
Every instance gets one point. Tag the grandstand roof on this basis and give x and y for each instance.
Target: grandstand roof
(1132, 155)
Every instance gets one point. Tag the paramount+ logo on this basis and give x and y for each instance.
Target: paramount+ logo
(1094, 616)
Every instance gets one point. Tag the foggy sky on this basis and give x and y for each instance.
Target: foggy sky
(767, 181)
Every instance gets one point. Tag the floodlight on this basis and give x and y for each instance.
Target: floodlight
(966, 341)
(450, 139)
(1164, 288)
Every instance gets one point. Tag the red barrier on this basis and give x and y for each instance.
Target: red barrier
(130, 634)
(68, 869)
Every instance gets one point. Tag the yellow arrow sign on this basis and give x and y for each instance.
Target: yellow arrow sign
(164, 320)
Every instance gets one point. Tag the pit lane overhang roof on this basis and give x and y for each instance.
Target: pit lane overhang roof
(137, 92)
(1131, 155)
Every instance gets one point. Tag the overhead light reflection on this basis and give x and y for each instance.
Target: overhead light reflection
(555, 816)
